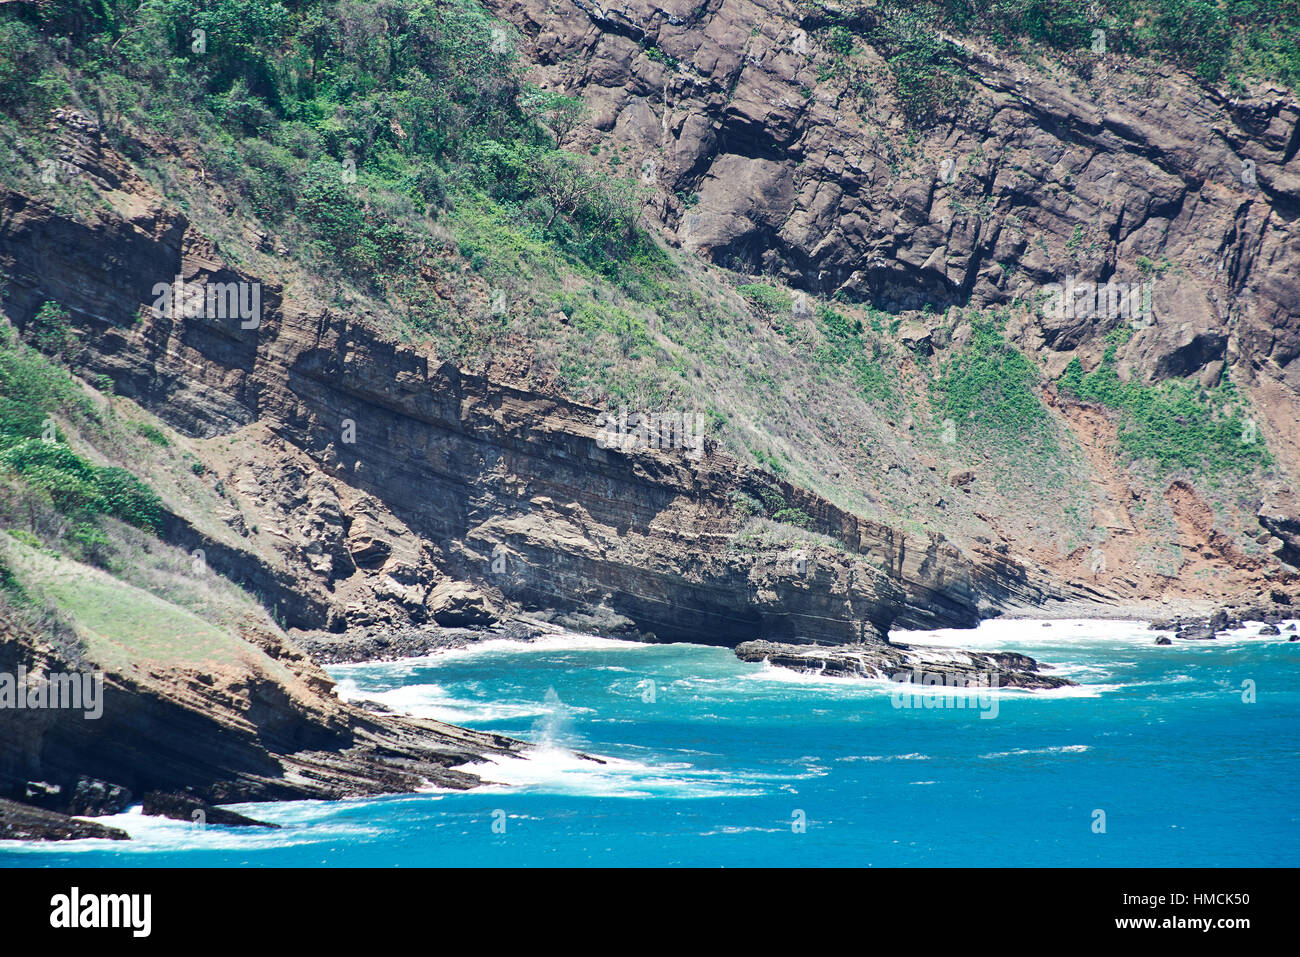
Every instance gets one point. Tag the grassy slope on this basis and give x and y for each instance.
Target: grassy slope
(121, 625)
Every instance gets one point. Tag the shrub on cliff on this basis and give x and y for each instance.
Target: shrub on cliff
(50, 330)
(1217, 41)
(1176, 424)
(31, 389)
(991, 385)
(80, 488)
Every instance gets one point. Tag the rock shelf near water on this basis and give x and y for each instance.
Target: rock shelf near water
(999, 669)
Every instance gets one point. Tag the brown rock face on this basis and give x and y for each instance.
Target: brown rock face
(373, 473)
(265, 726)
(764, 159)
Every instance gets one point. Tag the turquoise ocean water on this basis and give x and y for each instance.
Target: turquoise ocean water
(713, 762)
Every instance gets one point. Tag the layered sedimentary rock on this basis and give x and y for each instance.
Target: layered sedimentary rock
(261, 725)
(22, 822)
(379, 480)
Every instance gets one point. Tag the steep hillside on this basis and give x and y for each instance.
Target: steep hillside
(189, 693)
(785, 139)
(719, 322)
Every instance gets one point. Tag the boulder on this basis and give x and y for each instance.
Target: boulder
(369, 544)
(960, 478)
(456, 604)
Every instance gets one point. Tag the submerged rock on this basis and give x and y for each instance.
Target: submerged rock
(1198, 632)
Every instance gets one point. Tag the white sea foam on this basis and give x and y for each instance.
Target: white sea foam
(913, 756)
(997, 633)
(556, 770)
(434, 701)
(1083, 633)
(1055, 749)
(547, 644)
(771, 672)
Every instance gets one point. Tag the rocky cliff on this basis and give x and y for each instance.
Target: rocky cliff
(352, 479)
(766, 155)
(200, 718)
(374, 480)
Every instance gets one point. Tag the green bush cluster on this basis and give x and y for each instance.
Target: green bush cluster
(770, 299)
(30, 84)
(9, 584)
(79, 488)
(991, 385)
(845, 348)
(51, 331)
(1218, 40)
(1177, 423)
(340, 123)
(774, 506)
(1223, 40)
(30, 391)
(928, 79)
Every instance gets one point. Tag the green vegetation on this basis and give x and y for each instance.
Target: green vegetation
(79, 488)
(1176, 424)
(123, 624)
(152, 433)
(990, 385)
(9, 583)
(846, 350)
(347, 127)
(32, 390)
(745, 504)
(774, 506)
(50, 329)
(1219, 40)
(770, 299)
(927, 77)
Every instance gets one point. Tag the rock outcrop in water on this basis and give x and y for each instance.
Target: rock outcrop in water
(22, 822)
(914, 664)
(260, 725)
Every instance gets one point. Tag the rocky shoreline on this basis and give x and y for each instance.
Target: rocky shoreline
(385, 752)
(416, 641)
(23, 822)
(1277, 620)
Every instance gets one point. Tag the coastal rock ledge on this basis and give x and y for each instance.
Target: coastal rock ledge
(1002, 669)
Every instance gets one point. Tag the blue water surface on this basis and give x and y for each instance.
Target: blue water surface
(1158, 758)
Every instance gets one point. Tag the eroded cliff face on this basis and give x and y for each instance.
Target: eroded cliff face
(762, 157)
(366, 483)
